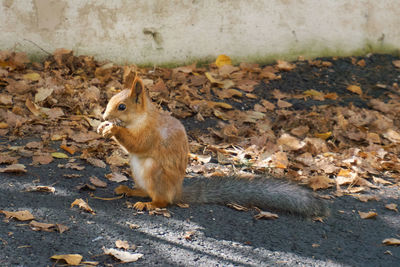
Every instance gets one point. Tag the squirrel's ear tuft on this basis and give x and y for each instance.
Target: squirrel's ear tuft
(137, 89)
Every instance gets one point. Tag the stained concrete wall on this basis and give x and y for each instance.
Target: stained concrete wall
(160, 31)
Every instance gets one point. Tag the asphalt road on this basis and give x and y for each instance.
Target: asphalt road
(220, 236)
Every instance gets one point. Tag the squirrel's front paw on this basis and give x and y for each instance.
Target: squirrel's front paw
(106, 129)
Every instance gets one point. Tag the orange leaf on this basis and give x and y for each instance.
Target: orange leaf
(355, 89)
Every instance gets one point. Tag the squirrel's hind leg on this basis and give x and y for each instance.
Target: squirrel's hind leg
(129, 192)
(150, 205)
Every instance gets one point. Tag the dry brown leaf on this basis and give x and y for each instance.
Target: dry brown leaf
(163, 212)
(320, 182)
(23, 215)
(96, 162)
(392, 135)
(396, 63)
(355, 89)
(366, 198)
(122, 244)
(367, 215)
(70, 259)
(38, 226)
(391, 241)
(392, 206)
(123, 256)
(6, 99)
(43, 159)
(378, 180)
(84, 137)
(32, 107)
(266, 215)
(82, 205)
(43, 93)
(14, 168)
(97, 182)
(41, 188)
(284, 65)
(290, 142)
(284, 104)
(116, 177)
(237, 207)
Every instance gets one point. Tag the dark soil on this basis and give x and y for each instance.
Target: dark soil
(223, 236)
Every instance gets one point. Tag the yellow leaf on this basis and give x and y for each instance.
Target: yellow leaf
(313, 92)
(59, 155)
(323, 136)
(221, 104)
(70, 259)
(355, 89)
(3, 125)
(367, 215)
(223, 60)
(33, 76)
(212, 79)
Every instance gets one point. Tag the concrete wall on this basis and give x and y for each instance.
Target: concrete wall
(161, 31)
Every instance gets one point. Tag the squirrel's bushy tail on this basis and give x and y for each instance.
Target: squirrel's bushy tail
(262, 192)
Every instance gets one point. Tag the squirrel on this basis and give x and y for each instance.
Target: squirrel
(158, 150)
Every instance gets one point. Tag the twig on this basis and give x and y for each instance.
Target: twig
(37, 46)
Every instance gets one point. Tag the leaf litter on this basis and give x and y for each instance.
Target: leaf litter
(242, 119)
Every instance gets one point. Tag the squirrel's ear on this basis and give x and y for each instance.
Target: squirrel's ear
(137, 89)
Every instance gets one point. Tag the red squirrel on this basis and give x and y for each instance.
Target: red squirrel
(158, 150)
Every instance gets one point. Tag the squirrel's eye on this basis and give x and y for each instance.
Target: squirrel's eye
(121, 107)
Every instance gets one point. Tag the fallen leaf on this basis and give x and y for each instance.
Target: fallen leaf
(41, 188)
(266, 215)
(23, 215)
(32, 107)
(290, 142)
(391, 241)
(14, 168)
(96, 162)
(320, 182)
(367, 215)
(332, 96)
(123, 256)
(355, 89)
(70, 149)
(43, 159)
(116, 177)
(59, 155)
(82, 205)
(396, 63)
(43, 93)
(70, 259)
(189, 235)
(283, 104)
(97, 182)
(163, 212)
(6, 99)
(32, 76)
(284, 65)
(38, 226)
(223, 60)
(392, 206)
(366, 198)
(122, 244)
(237, 207)
(323, 136)
(392, 135)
